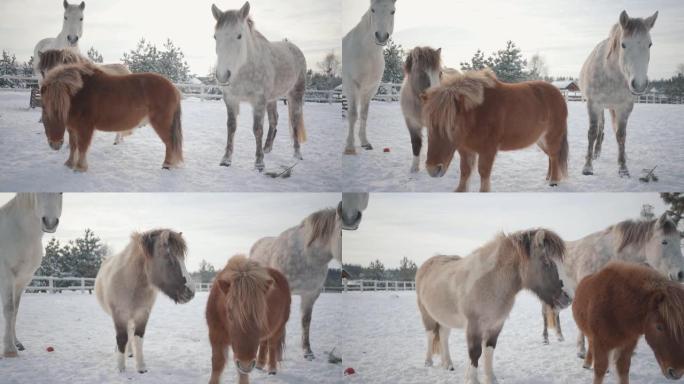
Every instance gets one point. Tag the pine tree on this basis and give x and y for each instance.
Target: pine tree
(376, 270)
(477, 62)
(8, 64)
(206, 271)
(675, 200)
(169, 62)
(647, 212)
(407, 269)
(330, 65)
(49, 266)
(394, 63)
(509, 64)
(94, 55)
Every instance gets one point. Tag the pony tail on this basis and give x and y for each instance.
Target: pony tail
(295, 106)
(177, 133)
(563, 155)
(436, 347)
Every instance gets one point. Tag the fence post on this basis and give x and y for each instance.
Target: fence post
(375, 285)
(82, 285)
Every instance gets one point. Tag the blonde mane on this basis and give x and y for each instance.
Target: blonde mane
(671, 309)
(528, 241)
(637, 233)
(459, 92)
(54, 57)
(60, 85)
(320, 225)
(246, 298)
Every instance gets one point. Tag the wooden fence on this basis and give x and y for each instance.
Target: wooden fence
(377, 285)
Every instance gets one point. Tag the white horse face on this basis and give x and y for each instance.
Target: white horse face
(49, 210)
(351, 208)
(231, 34)
(73, 22)
(635, 51)
(382, 20)
(663, 251)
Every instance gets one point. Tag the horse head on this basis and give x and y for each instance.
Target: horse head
(664, 330)
(633, 46)
(165, 252)
(423, 68)
(382, 20)
(48, 210)
(232, 33)
(663, 250)
(72, 26)
(350, 209)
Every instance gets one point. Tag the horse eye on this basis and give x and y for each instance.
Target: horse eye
(650, 45)
(660, 327)
(623, 45)
(214, 37)
(664, 242)
(65, 17)
(373, 10)
(392, 13)
(239, 36)
(81, 19)
(561, 283)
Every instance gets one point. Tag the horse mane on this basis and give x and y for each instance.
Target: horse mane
(320, 225)
(442, 107)
(525, 242)
(633, 232)
(233, 17)
(634, 26)
(21, 199)
(671, 309)
(60, 85)
(147, 241)
(53, 57)
(246, 297)
(426, 56)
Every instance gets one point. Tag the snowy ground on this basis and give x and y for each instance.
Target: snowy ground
(385, 343)
(654, 138)
(176, 347)
(28, 164)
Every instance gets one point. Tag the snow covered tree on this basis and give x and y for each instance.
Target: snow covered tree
(394, 63)
(376, 270)
(50, 265)
(537, 68)
(27, 68)
(407, 269)
(680, 69)
(509, 64)
(477, 62)
(330, 66)
(647, 212)
(8, 64)
(169, 62)
(94, 55)
(84, 255)
(206, 272)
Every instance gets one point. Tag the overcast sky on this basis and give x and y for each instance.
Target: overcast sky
(563, 32)
(115, 26)
(419, 226)
(215, 225)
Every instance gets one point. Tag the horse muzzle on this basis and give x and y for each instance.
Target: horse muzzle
(673, 374)
(563, 301)
(353, 225)
(56, 145)
(185, 295)
(381, 38)
(50, 225)
(436, 170)
(245, 370)
(73, 40)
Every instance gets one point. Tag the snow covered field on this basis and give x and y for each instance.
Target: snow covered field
(176, 347)
(28, 164)
(384, 341)
(654, 138)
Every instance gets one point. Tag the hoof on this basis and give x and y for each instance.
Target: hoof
(130, 355)
(309, 356)
(545, 342)
(350, 151)
(428, 363)
(259, 167)
(271, 373)
(367, 147)
(414, 170)
(20, 346)
(450, 368)
(581, 355)
(225, 162)
(553, 184)
(586, 366)
(587, 172)
(623, 173)
(268, 148)
(141, 371)
(298, 156)
(561, 338)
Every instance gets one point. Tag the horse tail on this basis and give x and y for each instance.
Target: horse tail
(563, 155)
(435, 348)
(281, 346)
(177, 133)
(550, 317)
(295, 105)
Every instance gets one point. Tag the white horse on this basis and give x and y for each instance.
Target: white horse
(653, 242)
(127, 284)
(363, 64)
(22, 223)
(350, 209)
(251, 68)
(72, 30)
(302, 254)
(478, 292)
(615, 71)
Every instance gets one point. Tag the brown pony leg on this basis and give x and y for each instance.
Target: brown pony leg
(467, 163)
(159, 123)
(589, 357)
(84, 138)
(554, 171)
(261, 359)
(73, 149)
(218, 358)
(485, 162)
(275, 345)
(600, 361)
(624, 360)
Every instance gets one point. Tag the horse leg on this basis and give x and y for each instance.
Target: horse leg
(474, 339)
(432, 333)
(138, 333)
(559, 331)
(600, 363)
(352, 116)
(545, 334)
(73, 150)
(9, 311)
(259, 110)
(416, 143)
(594, 112)
(485, 162)
(272, 111)
(581, 350)
(490, 345)
(589, 358)
(599, 135)
(263, 355)
(233, 108)
(467, 164)
(17, 300)
(365, 104)
(624, 360)
(307, 309)
(621, 134)
(445, 355)
(84, 138)
(219, 355)
(274, 346)
(121, 328)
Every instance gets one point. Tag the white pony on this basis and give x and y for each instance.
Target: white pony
(615, 71)
(72, 30)
(22, 223)
(363, 64)
(251, 68)
(350, 209)
(302, 254)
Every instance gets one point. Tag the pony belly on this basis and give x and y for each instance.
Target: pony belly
(123, 125)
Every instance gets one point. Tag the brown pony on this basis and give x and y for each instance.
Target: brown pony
(247, 309)
(621, 302)
(478, 115)
(81, 97)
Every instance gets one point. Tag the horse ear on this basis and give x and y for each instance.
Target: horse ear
(408, 64)
(339, 209)
(439, 51)
(624, 18)
(216, 12)
(224, 286)
(66, 5)
(82, 5)
(650, 21)
(244, 11)
(148, 241)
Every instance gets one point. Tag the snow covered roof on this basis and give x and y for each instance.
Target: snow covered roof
(562, 84)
